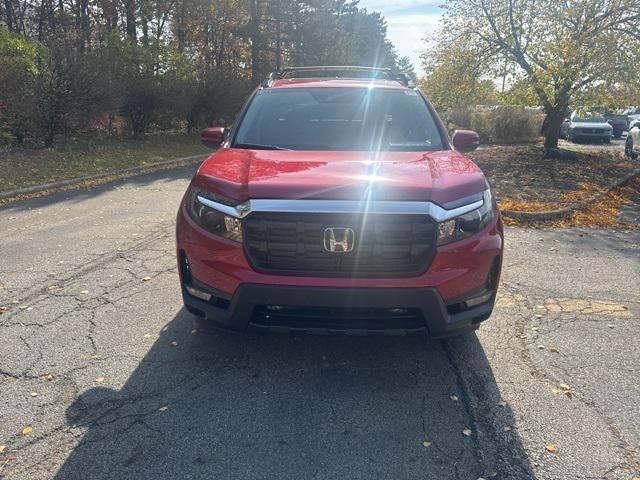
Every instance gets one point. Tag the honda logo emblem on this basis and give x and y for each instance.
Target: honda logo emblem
(338, 239)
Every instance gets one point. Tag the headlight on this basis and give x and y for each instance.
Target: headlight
(213, 220)
(467, 224)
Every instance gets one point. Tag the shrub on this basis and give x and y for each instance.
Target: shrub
(459, 117)
(506, 124)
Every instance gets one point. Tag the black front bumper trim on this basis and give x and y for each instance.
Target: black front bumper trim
(238, 313)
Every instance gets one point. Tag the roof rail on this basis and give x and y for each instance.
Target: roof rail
(338, 71)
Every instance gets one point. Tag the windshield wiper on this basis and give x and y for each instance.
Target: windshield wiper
(258, 146)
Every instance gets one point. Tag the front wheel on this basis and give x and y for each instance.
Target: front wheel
(628, 149)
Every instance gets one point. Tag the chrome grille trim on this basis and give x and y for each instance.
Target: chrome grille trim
(434, 210)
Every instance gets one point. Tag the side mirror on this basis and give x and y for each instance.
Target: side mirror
(465, 140)
(212, 137)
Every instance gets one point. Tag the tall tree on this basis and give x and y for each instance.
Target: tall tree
(560, 47)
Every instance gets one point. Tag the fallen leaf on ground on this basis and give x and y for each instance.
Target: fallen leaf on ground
(174, 343)
(48, 377)
(147, 335)
(502, 403)
(84, 292)
(23, 307)
(2, 448)
(193, 331)
(551, 448)
(100, 379)
(541, 347)
(27, 430)
(466, 432)
(34, 394)
(427, 444)
(3, 309)
(554, 350)
(163, 408)
(507, 428)
(454, 398)
(146, 279)
(564, 386)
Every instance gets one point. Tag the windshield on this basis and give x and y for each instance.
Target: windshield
(331, 118)
(588, 117)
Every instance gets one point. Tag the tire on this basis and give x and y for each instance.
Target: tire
(617, 132)
(628, 149)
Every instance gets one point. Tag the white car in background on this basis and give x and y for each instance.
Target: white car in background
(633, 114)
(632, 145)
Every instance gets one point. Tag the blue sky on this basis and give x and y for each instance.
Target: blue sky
(408, 21)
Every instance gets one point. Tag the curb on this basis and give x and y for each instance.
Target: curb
(124, 172)
(561, 212)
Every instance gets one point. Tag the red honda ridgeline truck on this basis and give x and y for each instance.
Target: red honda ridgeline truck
(338, 204)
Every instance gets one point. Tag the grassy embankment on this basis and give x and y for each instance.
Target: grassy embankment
(25, 168)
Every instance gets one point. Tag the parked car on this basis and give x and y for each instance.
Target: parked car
(564, 128)
(617, 121)
(339, 205)
(587, 126)
(632, 145)
(632, 113)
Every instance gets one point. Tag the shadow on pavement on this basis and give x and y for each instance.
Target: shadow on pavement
(223, 405)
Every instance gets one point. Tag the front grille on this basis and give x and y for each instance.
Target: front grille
(330, 320)
(385, 244)
(592, 130)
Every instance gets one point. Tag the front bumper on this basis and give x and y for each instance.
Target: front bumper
(590, 136)
(296, 310)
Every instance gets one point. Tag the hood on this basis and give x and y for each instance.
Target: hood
(604, 125)
(441, 176)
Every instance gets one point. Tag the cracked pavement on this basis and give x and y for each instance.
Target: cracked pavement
(117, 380)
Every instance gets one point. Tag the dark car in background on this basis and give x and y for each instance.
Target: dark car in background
(617, 121)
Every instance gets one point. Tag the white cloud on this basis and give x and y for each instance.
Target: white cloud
(408, 23)
(390, 6)
(407, 32)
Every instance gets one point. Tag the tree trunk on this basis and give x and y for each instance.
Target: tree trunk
(551, 127)
(8, 6)
(131, 20)
(255, 36)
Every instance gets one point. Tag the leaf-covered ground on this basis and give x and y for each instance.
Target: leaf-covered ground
(25, 168)
(524, 181)
(520, 173)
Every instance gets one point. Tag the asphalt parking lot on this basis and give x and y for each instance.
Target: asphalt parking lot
(103, 374)
(616, 145)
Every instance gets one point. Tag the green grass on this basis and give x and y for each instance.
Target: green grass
(25, 168)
